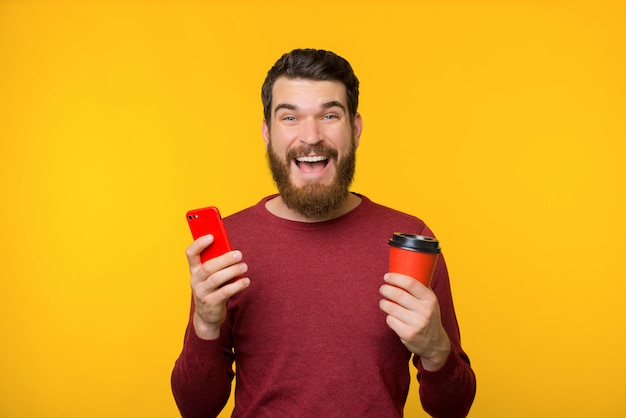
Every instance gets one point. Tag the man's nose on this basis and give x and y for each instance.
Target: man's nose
(311, 132)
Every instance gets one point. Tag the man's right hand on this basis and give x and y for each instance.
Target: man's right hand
(210, 293)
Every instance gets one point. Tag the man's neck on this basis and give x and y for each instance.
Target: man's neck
(277, 207)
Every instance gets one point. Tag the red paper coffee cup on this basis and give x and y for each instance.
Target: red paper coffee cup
(413, 255)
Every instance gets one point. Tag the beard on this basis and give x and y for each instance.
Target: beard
(313, 200)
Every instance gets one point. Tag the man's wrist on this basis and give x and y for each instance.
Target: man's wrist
(437, 358)
(205, 331)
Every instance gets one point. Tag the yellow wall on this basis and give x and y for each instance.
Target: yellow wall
(502, 124)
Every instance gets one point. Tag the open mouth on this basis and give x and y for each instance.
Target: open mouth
(312, 164)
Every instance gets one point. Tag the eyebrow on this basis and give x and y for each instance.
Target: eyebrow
(284, 106)
(334, 103)
(327, 105)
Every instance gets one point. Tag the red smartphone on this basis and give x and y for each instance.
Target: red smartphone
(208, 221)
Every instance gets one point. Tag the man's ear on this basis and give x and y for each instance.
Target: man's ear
(265, 131)
(357, 127)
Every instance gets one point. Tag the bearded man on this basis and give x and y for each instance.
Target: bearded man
(317, 326)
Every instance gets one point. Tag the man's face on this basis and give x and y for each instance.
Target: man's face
(311, 144)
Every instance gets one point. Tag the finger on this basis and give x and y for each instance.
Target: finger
(200, 273)
(401, 328)
(196, 247)
(406, 306)
(221, 262)
(229, 290)
(399, 296)
(409, 284)
(404, 323)
(397, 311)
(222, 276)
(416, 319)
(411, 336)
(213, 303)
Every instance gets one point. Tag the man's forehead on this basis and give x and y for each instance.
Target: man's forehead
(287, 88)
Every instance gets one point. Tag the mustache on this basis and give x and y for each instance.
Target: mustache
(317, 149)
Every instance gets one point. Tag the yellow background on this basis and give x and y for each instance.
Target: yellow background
(500, 123)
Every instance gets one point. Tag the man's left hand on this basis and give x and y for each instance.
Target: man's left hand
(413, 314)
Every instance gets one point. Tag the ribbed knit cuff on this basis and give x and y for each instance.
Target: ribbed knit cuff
(441, 375)
(201, 352)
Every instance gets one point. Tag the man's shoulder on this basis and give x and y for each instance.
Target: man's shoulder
(378, 217)
(250, 214)
(378, 209)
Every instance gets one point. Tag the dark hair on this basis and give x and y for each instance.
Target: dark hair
(313, 64)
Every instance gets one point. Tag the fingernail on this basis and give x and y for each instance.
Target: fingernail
(237, 255)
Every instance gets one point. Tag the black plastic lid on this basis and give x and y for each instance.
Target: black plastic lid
(413, 242)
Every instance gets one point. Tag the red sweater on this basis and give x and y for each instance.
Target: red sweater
(307, 336)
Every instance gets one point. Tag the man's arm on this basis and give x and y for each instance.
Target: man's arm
(425, 321)
(449, 391)
(203, 373)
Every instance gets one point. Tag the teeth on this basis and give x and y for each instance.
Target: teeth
(314, 159)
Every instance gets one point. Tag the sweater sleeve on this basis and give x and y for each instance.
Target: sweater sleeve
(448, 392)
(202, 375)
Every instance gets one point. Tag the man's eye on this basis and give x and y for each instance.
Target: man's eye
(289, 118)
(331, 116)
